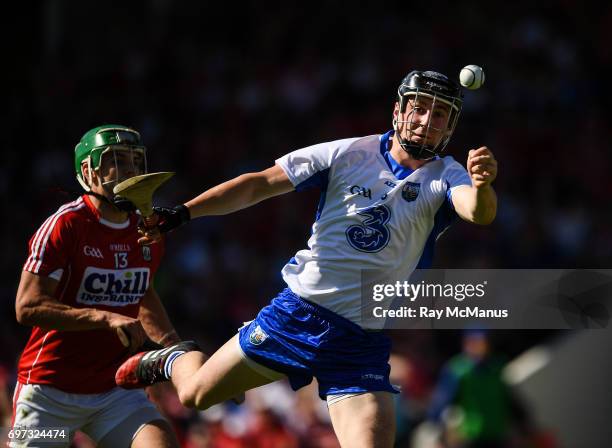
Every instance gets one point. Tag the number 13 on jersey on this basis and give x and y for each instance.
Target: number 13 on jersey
(121, 260)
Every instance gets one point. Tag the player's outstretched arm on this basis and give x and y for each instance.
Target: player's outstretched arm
(233, 195)
(240, 192)
(478, 203)
(36, 305)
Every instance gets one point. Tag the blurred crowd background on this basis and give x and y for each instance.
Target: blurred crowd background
(218, 90)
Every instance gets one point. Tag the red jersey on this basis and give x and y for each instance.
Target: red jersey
(99, 264)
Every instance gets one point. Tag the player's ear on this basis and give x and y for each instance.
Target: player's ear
(87, 173)
(395, 114)
(396, 110)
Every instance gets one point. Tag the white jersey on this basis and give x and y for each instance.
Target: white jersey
(373, 214)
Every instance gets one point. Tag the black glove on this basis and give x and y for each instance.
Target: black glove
(171, 218)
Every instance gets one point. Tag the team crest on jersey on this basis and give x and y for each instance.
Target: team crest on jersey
(257, 336)
(410, 191)
(146, 253)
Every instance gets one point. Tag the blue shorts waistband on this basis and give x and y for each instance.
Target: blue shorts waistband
(325, 313)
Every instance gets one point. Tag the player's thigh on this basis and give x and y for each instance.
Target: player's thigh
(155, 434)
(227, 373)
(364, 421)
(38, 406)
(121, 415)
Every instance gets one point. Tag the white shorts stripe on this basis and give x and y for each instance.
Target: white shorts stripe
(15, 398)
(335, 398)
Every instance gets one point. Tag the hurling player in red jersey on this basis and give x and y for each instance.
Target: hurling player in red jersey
(85, 278)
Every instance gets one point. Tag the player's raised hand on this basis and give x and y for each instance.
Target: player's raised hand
(481, 166)
(148, 235)
(165, 219)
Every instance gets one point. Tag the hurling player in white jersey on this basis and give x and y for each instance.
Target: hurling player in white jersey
(384, 200)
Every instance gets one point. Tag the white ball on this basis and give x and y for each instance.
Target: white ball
(472, 77)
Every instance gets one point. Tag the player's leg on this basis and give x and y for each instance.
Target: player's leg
(255, 356)
(225, 374)
(155, 434)
(352, 368)
(199, 382)
(126, 418)
(365, 420)
(37, 406)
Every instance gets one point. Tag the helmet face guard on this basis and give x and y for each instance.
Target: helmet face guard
(123, 162)
(436, 90)
(110, 148)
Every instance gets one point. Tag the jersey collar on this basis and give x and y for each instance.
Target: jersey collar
(93, 210)
(400, 172)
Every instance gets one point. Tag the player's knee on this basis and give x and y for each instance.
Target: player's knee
(205, 398)
(187, 395)
(194, 397)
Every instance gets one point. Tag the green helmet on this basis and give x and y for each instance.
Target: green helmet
(98, 140)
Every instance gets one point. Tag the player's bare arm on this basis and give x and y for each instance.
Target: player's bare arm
(235, 194)
(478, 203)
(240, 192)
(155, 320)
(37, 306)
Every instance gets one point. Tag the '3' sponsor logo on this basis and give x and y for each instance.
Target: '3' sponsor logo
(372, 235)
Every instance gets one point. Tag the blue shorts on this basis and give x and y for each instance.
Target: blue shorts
(304, 340)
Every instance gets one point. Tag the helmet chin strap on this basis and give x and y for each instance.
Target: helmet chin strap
(121, 204)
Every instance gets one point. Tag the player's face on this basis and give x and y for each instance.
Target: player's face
(425, 120)
(119, 164)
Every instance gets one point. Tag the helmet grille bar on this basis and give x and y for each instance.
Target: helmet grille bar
(439, 89)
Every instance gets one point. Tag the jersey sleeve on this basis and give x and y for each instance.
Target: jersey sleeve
(50, 249)
(455, 176)
(306, 166)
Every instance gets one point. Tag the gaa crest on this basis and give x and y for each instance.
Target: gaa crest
(410, 191)
(257, 336)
